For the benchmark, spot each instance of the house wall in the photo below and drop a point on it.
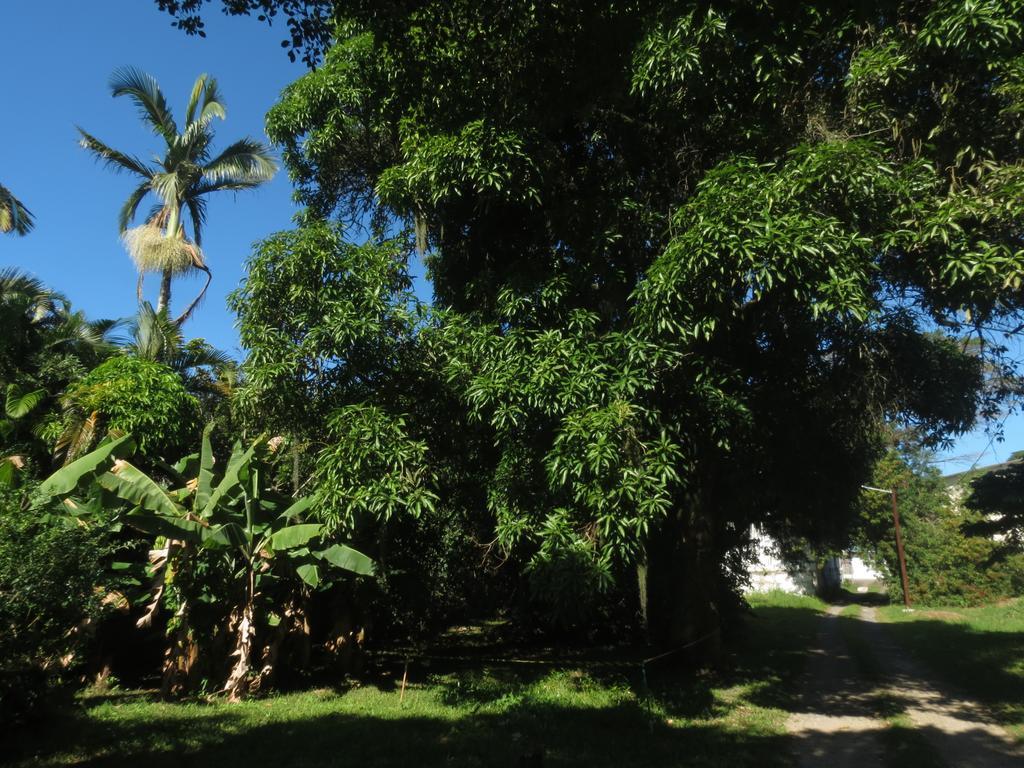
(769, 572)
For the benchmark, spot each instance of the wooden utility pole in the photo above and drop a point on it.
(899, 550)
(899, 540)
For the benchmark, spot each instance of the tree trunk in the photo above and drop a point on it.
(163, 301)
(182, 654)
(237, 685)
(683, 581)
(182, 650)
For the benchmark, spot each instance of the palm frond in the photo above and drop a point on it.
(19, 404)
(206, 187)
(245, 160)
(196, 358)
(28, 295)
(168, 187)
(205, 102)
(88, 339)
(17, 282)
(108, 330)
(154, 335)
(192, 146)
(197, 212)
(213, 103)
(77, 437)
(131, 205)
(144, 90)
(113, 158)
(193, 100)
(14, 216)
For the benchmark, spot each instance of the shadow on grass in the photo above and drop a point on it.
(475, 718)
(493, 717)
(985, 665)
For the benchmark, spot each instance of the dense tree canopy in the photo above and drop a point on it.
(687, 257)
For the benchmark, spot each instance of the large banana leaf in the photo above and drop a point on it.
(136, 487)
(230, 534)
(7, 468)
(204, 486)
(349, 559)
(230, 482)
(309, 573)
(298, 508)
(179, 528)
(294, 535)
(66, 479)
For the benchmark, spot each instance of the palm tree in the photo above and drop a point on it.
(45, 346)
(180, 181)
(14, 216)
(156, 337)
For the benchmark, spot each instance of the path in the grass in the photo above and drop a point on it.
(834, 724)
(837, 725)
(959, 729)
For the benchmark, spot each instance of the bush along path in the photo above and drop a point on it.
(864, 702)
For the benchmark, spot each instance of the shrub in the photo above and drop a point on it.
(48, 593)
(141, 397)
(945, 565)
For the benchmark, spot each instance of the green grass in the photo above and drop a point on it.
(493, 717)
(979, 650)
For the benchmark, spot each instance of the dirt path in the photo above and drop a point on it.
(834, 724)
(959, 729)
(837, 723)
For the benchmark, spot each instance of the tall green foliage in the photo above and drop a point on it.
(336, 367)
(947, 562)
(997, 497)
(129, 395)
(693, 255)
(46, 346)
(49, 574)
(254, 538)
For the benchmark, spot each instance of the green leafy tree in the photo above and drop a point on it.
(688, 252)
(49, 574)
(949, 561)
(46, 347)
(181, 180)
(337, 366)
(998, 497)
(129, 395)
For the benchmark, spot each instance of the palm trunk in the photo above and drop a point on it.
(164, 299)
(173, 225)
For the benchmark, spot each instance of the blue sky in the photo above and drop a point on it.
(57, 61)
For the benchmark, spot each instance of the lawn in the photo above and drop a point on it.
(498, 716)
(978, 650)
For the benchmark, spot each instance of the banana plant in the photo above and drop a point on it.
(262, 534)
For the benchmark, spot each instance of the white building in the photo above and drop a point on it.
(770, 572)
